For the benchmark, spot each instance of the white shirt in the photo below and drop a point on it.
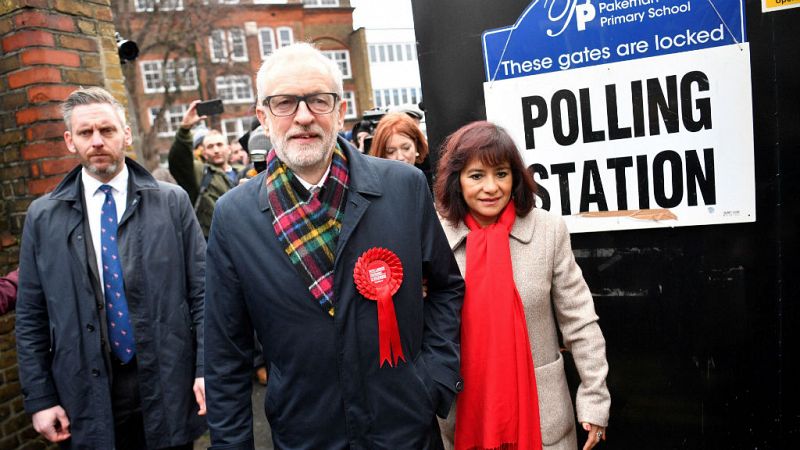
(317, 186)
(94, 198)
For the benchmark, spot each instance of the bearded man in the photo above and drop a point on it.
(110, 300)
(313, 254)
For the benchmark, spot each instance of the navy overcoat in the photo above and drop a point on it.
(63, 354)
(325, 387)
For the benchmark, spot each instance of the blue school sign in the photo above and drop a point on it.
(553, 35)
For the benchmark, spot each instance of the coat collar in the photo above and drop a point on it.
(363, 178)
(70, 187)
(522, 230)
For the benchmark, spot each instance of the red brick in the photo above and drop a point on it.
(34, 75)
(36, 172)
(45, 150)
(36, 18)
(9, 63)
(58, 166)
(78, 43)
(10, 137)
(13, 101)
(43, 185)
(104, 14)
(45, 130)
(51, 92)
(14, 172)
(49, 56)
(37, 113)
(28, 38)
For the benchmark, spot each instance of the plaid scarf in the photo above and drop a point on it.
(308, 224)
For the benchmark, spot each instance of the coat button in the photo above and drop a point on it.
(90, 327)
(95, 373)
(459, 386)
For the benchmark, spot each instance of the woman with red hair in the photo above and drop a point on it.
(523, 287)
(398, 137)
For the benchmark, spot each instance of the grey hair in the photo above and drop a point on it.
(90, 96)
(286, 55)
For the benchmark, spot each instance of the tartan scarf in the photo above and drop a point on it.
(308, 224)
(499, 406)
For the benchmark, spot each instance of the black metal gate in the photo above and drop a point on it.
(701, 322)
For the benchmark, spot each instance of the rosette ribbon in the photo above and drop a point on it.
(378, 274)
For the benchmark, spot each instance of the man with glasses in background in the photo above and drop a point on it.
(300, 254)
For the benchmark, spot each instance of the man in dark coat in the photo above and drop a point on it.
(205, 181)
(282, 254)
(110, 311)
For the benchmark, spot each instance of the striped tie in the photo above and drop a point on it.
(119, 325)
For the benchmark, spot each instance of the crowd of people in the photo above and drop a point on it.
(377, 314)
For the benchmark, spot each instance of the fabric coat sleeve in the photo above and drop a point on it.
(194, 247)
(229, 343)
(577, 320)
(33, 328)
(8, 292)
(181, 163)
(442, 310)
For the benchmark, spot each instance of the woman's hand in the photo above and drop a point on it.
(596, 432)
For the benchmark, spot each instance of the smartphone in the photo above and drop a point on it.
(210, 107)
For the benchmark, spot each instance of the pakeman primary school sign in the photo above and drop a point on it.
(631, 113)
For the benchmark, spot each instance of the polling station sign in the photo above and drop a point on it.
(631, 113)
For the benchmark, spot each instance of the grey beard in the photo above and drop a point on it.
(110, 170)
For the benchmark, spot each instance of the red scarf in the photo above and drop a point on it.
(499, 406)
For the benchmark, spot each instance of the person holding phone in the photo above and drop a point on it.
(205, 181)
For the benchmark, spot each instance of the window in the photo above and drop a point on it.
(411, 52)
(222, 44)
(158, 5)
(238, 44)
(232, 129)
(216, 46)
(321, 3)
(396, 97)
(172, 119)
(285, 37)
(266, 42)
(342, 59)
(179, 76)
(235, 89)
(349, 99)
(392, 52)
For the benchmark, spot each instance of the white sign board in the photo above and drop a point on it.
(631, 114)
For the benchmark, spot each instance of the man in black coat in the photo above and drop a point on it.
(313, 254)
(110, 302)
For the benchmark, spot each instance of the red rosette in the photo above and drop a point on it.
(378, 274)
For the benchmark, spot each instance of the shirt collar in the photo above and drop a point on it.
(319, 185)
(119, 183)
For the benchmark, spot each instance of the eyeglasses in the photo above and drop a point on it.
(286, 105)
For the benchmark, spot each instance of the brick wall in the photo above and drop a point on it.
(49, 48)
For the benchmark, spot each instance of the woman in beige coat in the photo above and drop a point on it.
(482, 186)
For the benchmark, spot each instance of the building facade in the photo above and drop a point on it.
(206, 49)
(394, 67)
